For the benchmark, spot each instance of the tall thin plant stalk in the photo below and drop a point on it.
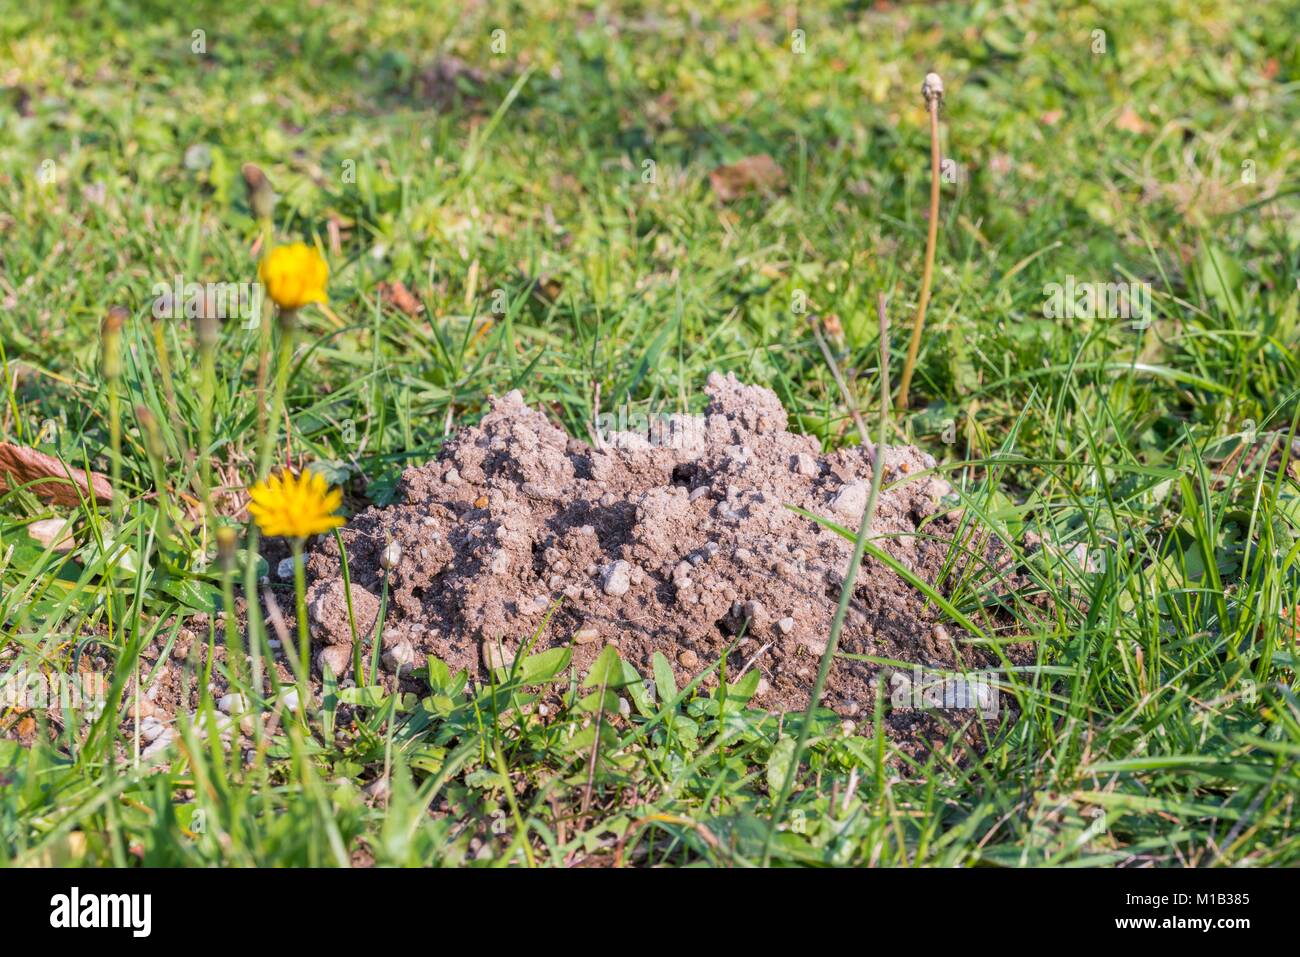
(932, 91)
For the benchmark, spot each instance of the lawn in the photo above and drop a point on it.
(521, 198)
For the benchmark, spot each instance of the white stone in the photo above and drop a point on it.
(496, 656)
(618, 579)
(400, 656)
(851, 500)
(804, 464)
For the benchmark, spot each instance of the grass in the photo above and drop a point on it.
(552, 211)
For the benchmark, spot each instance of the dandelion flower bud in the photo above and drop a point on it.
(153, 440)
(261, 197)
(226, 548)
(110, 333)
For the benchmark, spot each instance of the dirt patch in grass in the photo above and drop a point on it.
(675, 537)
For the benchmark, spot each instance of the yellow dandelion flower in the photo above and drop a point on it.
(294, 275)
(295, 506)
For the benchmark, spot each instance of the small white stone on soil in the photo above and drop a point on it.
(232, 703)
(804, 464)
(337, 657)
(400, 657)
(285, 568)
(786, 625)
(617, 579)
(160, 743)
(496, 656)
(585, 635)
(452, 477)
(151, 729)
(851, 500)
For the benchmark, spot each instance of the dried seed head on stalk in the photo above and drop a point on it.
(932, 87)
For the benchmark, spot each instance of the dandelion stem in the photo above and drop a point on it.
(272, 427)
(300, 610)
(111, 358)
(933, 93)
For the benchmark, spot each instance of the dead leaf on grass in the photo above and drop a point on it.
(753, 173)
(20, 465)
(1129, 121)
(395, 292)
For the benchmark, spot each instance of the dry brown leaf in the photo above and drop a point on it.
(759, 172)
(1129, 121)
(396, 293)
(19, 465)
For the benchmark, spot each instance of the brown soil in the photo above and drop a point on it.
(677, 544)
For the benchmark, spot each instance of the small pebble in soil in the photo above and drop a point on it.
(151, 729)
(399, 657)
(497, 656)
(337, 657)
(851, 500)
(618, 579)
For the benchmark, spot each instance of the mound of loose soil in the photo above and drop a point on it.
(674, 539)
